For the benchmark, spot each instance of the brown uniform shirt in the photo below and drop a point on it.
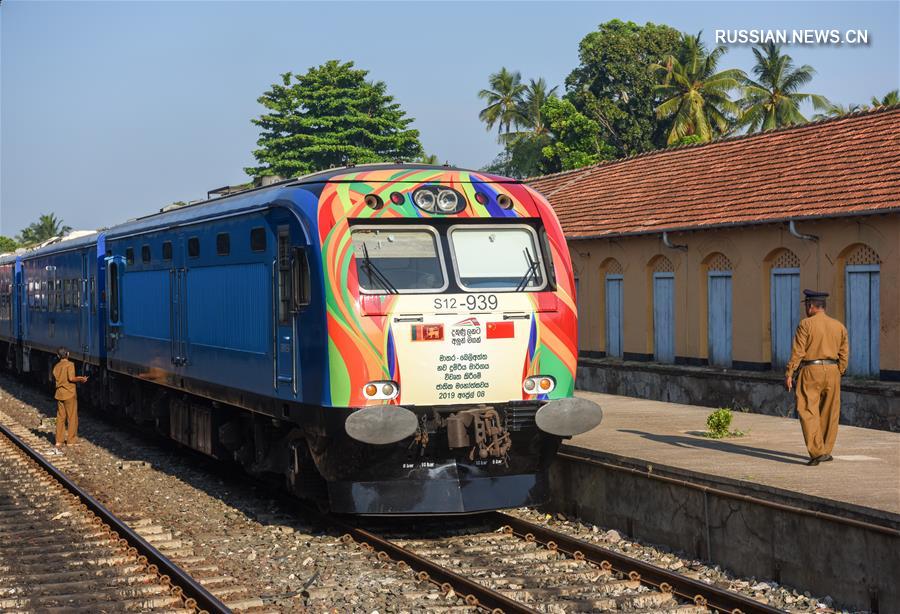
(64, 374)
(819, 337)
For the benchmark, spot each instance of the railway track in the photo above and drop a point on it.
(501, 563)
(62, 551)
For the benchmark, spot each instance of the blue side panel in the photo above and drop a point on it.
(228, 307)
(664, 317)
(146, 313)
(785, 313)
(614, 320)
(718, 328)
(863, 319)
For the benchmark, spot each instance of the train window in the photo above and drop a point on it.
(92, 297)
(223, 244)
(194, 247)
(145, 254)
(66, 302)
(129, 255)
(258, 239)
(398, 259)
(167, 250)
(497, 258)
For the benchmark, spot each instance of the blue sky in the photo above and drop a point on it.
(110, 110)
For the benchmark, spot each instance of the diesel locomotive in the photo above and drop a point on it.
(388, 339)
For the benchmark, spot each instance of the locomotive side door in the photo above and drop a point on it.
(178, 300)
(84, 306)
(285, 321)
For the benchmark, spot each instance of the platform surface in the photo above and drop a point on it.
(865, 472)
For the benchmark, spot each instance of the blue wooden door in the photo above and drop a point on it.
(664, 317)
(785, 313)
(719, 319)
(863, 319)
(614, 326)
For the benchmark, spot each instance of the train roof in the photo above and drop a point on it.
(64, 245)
(258, 198)
(395, 171)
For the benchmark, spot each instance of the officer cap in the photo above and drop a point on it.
(810, 295)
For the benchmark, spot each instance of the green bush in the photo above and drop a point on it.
(719, 423)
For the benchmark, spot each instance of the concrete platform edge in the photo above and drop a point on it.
(770, 493)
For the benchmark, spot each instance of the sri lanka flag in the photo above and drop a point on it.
(427, 332)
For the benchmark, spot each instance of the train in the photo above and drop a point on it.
(386, 339)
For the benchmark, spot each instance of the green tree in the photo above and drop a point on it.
(330, 116)
(891, 98)
(7, 244)
(47, 227)
(504, 100)
(577, 140)
(694, 95)
(773, 100)
(613, 87)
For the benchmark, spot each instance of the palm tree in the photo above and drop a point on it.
(534, 97)
(836, 110)
(889, 99)
(694, 96)
(503, 100)
(773, 100)
(47, 227)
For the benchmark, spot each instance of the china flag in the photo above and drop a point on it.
(501, 330)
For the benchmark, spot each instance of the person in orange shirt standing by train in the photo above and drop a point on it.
(66, 400)
(821, 352)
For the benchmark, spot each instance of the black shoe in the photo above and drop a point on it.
(813, 461)
(826, 457)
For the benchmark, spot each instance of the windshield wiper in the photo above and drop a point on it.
(375, 273)
(530, 273)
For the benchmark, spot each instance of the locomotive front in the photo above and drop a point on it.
(451, 342)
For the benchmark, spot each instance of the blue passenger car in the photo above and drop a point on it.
(10, 275)
(60, 293)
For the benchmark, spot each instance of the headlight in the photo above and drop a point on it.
(381, 390)
(447, 201)
(435, 199)
(425, 200)
(539, 384)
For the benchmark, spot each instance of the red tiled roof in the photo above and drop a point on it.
(831, 168)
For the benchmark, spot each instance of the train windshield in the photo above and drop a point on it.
(498, 258)
(395, 260)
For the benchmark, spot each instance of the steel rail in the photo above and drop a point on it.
(700, 593)
(195, 594)
(474, 593)
(859, 524)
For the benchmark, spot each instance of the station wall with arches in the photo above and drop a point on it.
(762, 270)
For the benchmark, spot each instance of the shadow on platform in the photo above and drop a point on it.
(721, 446)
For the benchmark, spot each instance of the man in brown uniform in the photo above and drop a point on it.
(66, 399)
(821, 352)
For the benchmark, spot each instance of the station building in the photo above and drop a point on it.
(691, 261)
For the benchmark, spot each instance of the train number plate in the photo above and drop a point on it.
(472, 302)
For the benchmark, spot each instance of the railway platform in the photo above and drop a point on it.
(749, 503)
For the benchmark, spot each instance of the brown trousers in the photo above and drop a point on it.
(66, 411)
(818, 391)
